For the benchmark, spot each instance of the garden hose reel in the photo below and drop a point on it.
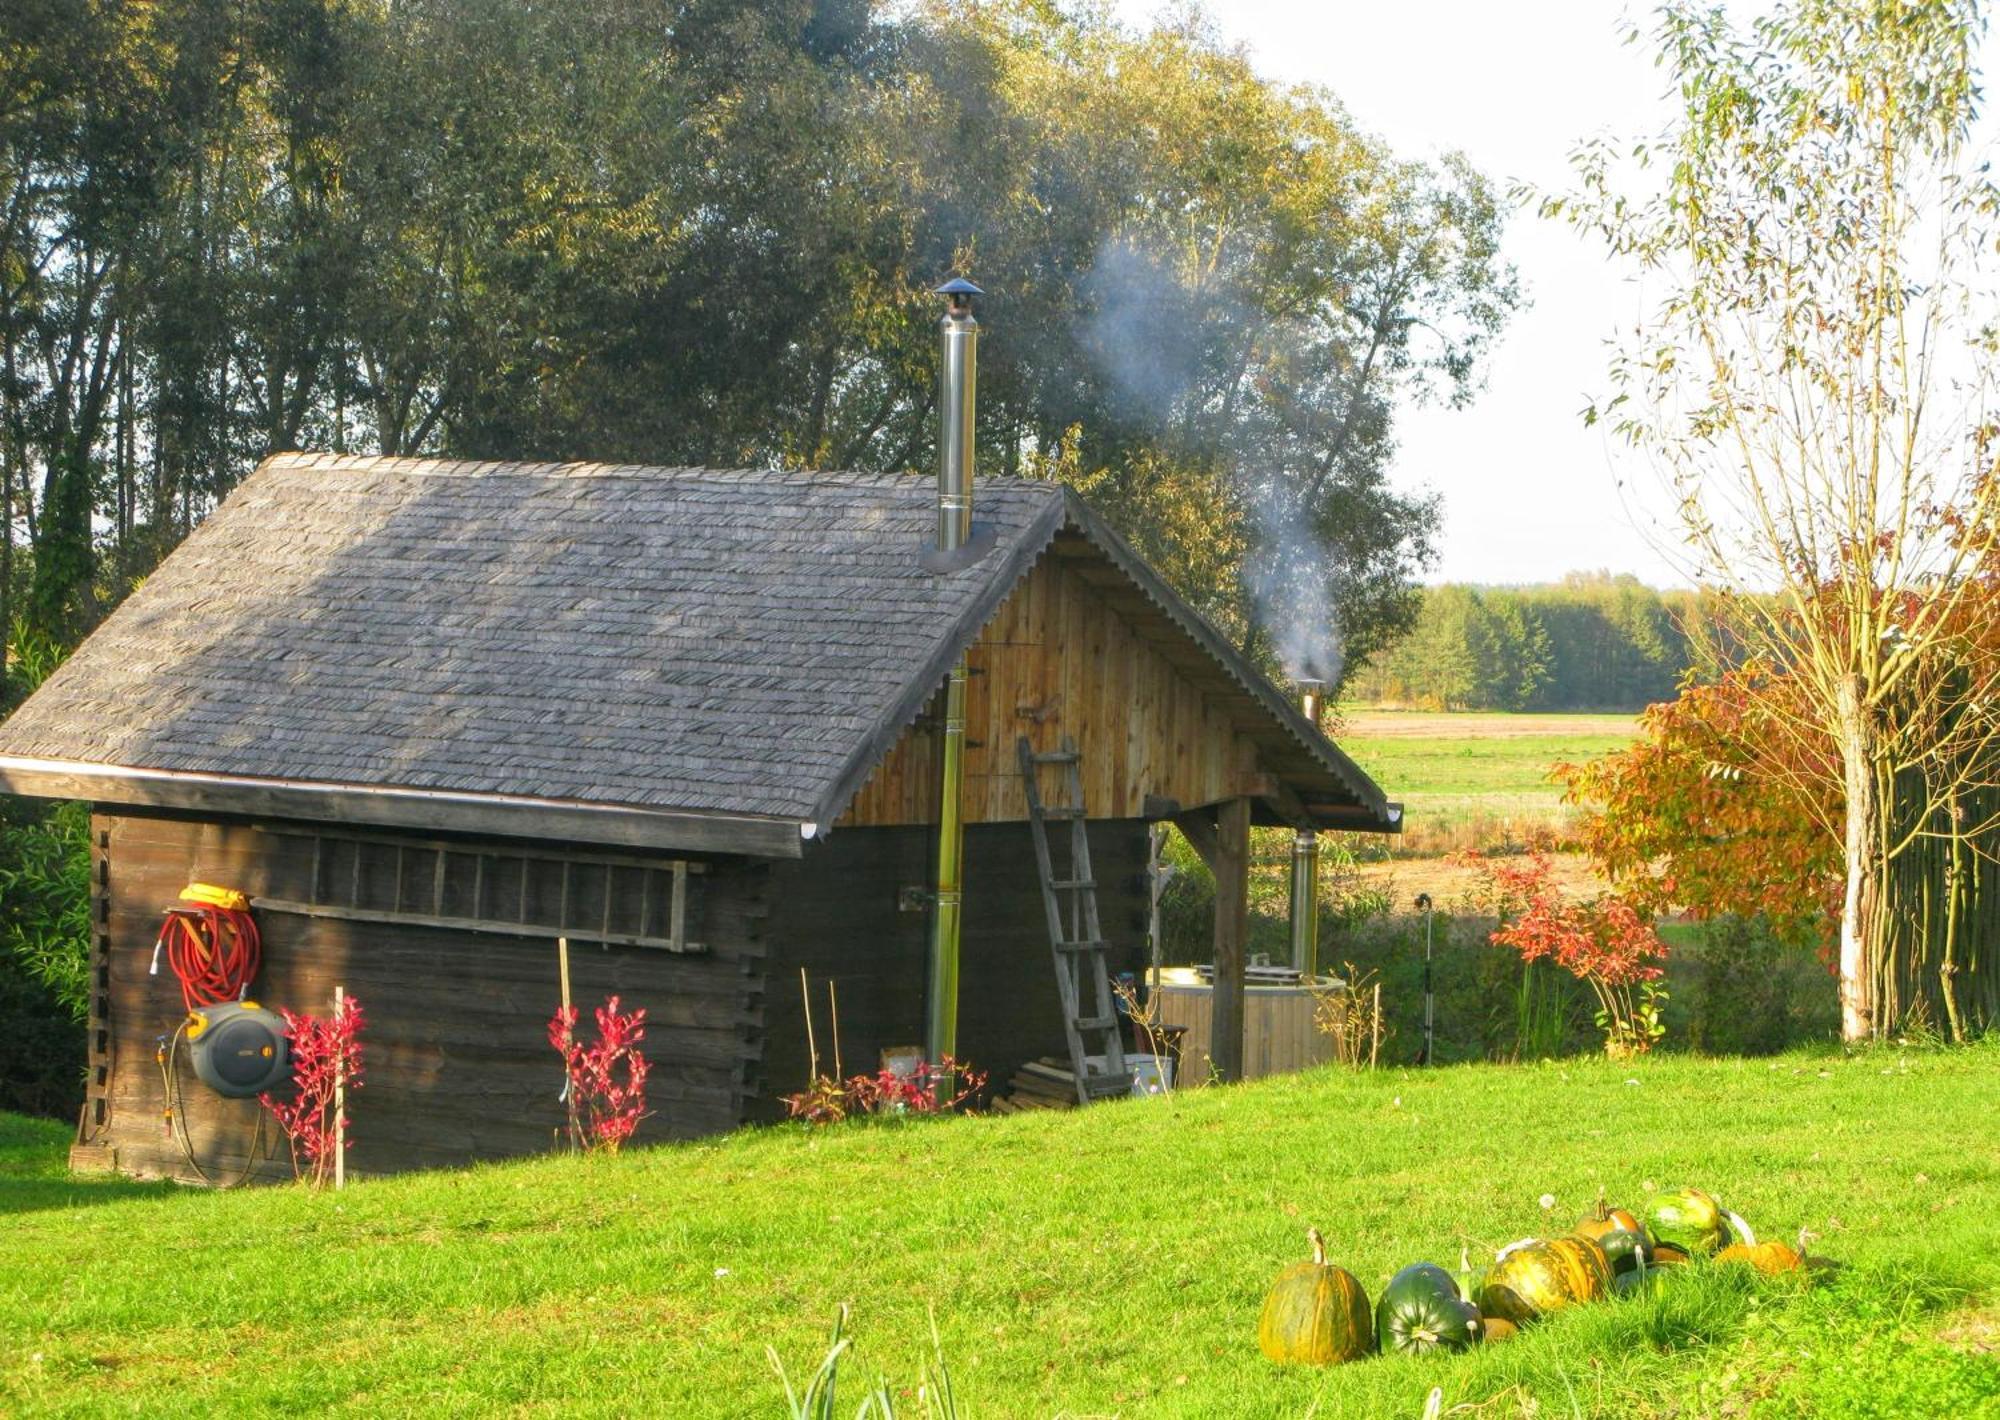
(239, 1048)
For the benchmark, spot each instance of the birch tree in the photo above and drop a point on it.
(1812, 382)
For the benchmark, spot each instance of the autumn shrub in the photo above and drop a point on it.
(829, 1100)
(605, 1089)
(1604, 942)
(326, 1060)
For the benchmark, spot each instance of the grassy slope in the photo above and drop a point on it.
(1108, 1262)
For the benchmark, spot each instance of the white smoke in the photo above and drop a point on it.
(1150, 333)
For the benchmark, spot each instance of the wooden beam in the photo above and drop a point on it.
(1284, 803)
(433, 810)
(1198, 827)
(1232, 935)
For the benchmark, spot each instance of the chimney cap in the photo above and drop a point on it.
(957, 286)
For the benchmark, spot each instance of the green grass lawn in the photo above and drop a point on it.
(1463, 778)
(1108, 1262)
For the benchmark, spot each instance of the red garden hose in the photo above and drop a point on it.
(214, 951)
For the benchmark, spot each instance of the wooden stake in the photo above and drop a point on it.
(1375, 1040)
(833, 1007)
(562, 965)
(339, 1100)
(812, 1046)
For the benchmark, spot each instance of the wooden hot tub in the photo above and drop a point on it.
(1278, 1030)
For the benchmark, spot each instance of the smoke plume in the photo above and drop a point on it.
(1167, 348)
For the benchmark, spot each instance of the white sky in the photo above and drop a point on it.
(1529, 493)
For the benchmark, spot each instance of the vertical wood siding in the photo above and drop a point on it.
(1058, 660)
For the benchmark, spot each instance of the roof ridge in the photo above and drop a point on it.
(436, 466)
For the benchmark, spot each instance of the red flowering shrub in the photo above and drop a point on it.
(606, 1092)
(324, 1053)
(1605, 943)
(828, 1101)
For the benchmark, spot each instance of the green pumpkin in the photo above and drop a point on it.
(1626, 1250)
(1421, 1311)
(1687, 1219)
(1534, 1278)
(1316, 1314)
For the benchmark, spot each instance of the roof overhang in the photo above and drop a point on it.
(500, 815)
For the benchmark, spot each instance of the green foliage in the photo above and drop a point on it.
(45, 899)
(1103, 1261)
(684, 234)
(1589, 642)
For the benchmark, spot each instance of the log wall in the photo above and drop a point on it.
(457, 1057)
(1057, 660)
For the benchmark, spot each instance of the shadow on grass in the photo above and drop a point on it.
(35, 1175)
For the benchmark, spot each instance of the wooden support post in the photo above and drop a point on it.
(1232, 932)
(339, 1098)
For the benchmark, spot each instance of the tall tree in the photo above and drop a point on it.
(1815, 384)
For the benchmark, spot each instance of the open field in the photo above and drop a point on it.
(1107, 1262)
(1474, 780)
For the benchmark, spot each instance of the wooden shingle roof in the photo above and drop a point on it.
(671, 644)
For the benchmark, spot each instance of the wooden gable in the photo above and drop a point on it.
(1060, 659)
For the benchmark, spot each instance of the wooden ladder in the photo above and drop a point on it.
(1096, 1051)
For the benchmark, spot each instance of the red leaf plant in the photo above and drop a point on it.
(325, 1053)
(828, 1100)
(606, 1093)
(1604, 942)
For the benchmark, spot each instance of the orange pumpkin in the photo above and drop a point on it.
(1771, 1258)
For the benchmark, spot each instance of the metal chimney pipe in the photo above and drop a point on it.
(958, 336)
(1305, 862)
(958, 379)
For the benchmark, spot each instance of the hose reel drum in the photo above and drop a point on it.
(239, 1049)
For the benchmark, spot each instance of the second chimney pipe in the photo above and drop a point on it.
(1305, 862)
(958, 368)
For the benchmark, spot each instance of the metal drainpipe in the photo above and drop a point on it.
(1305, 863)
(957, 383)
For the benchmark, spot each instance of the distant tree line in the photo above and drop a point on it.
(1588, 642)
(703, 232)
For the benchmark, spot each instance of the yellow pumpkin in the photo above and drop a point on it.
(1533, 1278)
(1316, 1314)
(1497, 1328)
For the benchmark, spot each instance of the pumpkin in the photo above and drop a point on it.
(1533, 1278)
(1627, 1253)
(1421, 1311)
(1497, 1328)
(1604, 1220)
(1667, 1255)
(1771, 1258)
(1316, 1313)
(1689, 1219)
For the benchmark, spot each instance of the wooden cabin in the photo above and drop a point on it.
(429, 716)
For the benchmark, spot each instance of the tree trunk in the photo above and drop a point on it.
(1860, 918)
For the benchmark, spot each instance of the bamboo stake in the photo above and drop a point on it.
(339, 1098)
(562, 965)
(812, 1046)
(1375, 1040)
(833, 1007)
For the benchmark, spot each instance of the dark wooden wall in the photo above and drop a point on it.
(837, 912)
(457, 1057)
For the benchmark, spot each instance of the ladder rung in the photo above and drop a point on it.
(1096, 1022)
(1058, 756)
(1087, 944)
(1071, 884)
(1061, 811)
(1103, 1086)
